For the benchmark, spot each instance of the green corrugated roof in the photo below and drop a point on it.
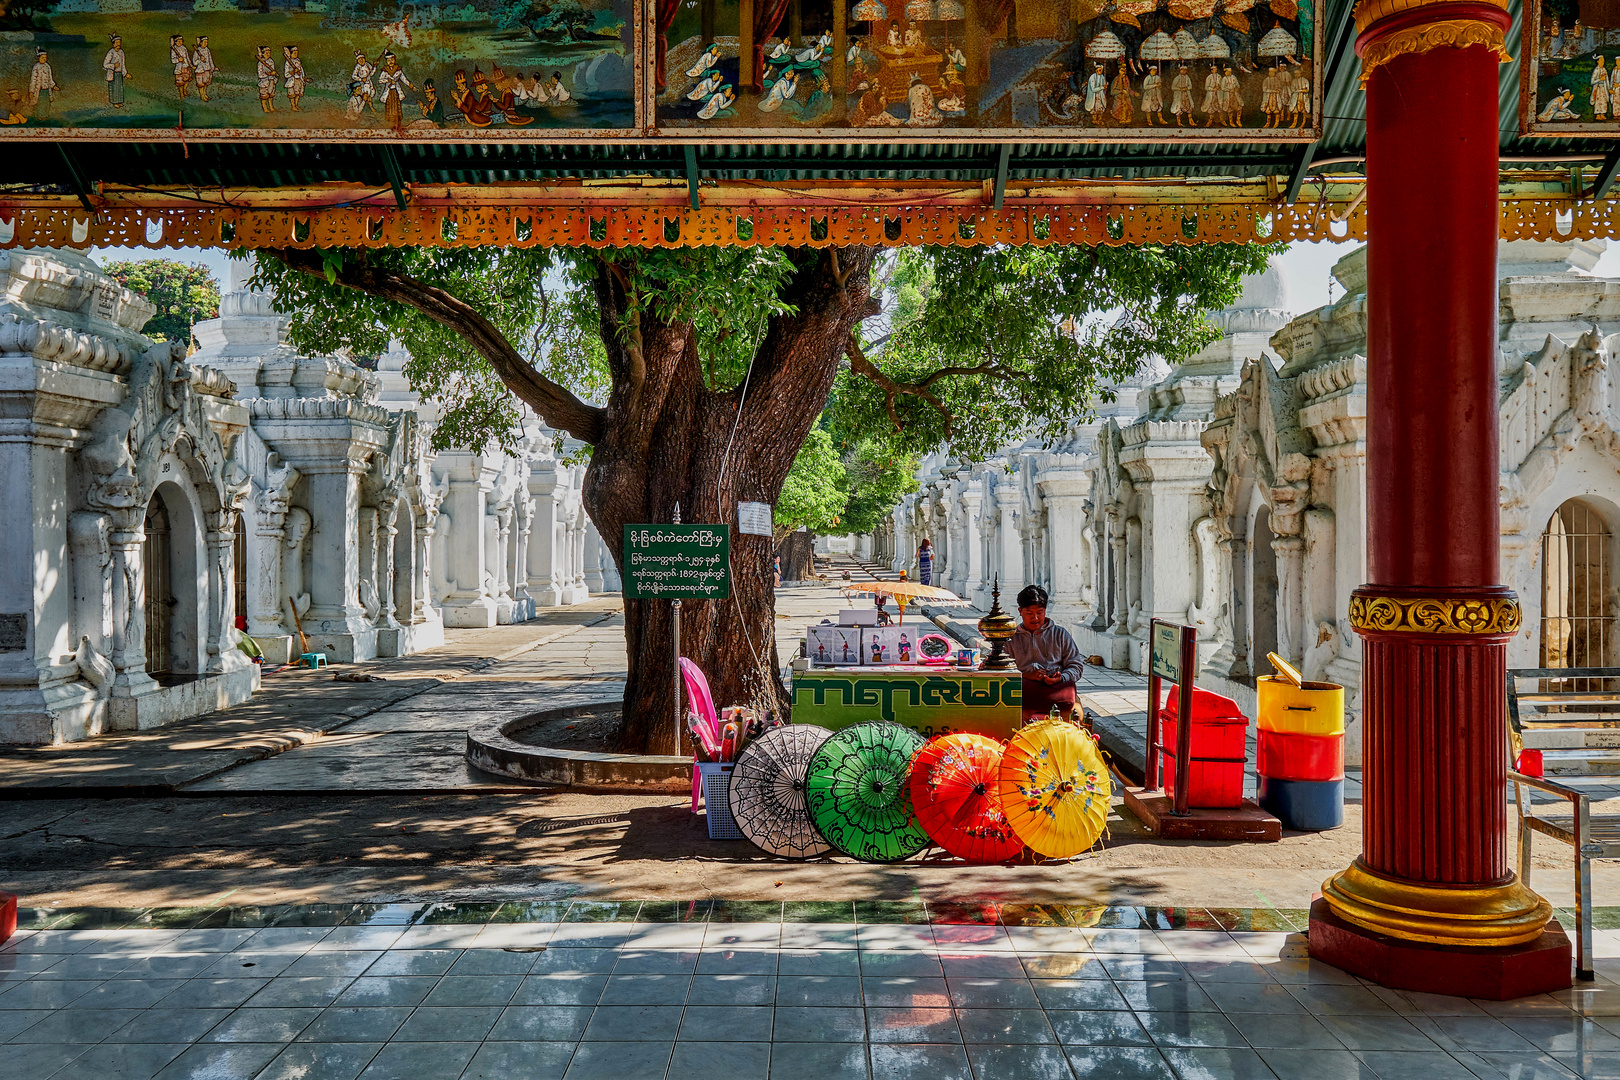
(277, 164)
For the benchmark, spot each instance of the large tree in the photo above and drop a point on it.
(185, 294)
(695, 375)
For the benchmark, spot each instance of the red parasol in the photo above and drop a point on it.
(953, 790)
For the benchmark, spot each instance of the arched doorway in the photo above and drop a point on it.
(1577, 626)
(1263, 591)
(156, 564)
(239, 574)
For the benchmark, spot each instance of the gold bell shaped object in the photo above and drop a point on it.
(997, 628)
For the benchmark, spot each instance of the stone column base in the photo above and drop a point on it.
(183, 700)
(407, 639)
(478, 613)
(1496, 974)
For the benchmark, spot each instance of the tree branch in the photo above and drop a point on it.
(556, 406)
(860, 365)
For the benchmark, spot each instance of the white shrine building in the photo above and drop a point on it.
(162, 495)
(1228, 493)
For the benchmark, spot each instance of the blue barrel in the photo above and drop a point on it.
(1304, 805)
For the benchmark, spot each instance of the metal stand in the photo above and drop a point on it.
(675, 637)
(1173, 655)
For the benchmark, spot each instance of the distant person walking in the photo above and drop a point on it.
(925, 562)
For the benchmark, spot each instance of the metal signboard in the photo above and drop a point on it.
(1166, 654)
(754, 519)
(677, 562)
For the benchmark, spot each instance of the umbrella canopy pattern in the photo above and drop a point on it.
(907, 590)
(953, 780)
(767, 792)
(1186, 45)
(1278, 42)
(1159, 47)
(1105, 46)
(1054, 788)
(904, 592)
(857, 794)
(1214, 48)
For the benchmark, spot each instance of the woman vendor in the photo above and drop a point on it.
(1046, 655)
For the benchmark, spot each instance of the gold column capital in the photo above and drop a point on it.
(1387, 29)
(1369, 12)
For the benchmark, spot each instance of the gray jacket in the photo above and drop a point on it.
(1051, 650)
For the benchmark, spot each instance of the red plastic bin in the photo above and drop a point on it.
(1286, 755)
(1209, 783)
(1206, 705)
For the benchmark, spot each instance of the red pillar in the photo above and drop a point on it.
(1432, 904)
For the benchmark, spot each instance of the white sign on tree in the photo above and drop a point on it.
(754, 518)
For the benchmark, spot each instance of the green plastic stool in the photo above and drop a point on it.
(314, 659)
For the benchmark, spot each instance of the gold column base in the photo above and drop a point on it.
(1482, 916)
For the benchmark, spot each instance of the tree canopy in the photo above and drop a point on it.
(185, 294)
(695, 376)
(972, 347)
(542, 304)
(986, 342)
(816, 489)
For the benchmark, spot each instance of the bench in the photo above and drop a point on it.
(1572, 716)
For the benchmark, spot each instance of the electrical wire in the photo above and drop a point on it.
(757, 655)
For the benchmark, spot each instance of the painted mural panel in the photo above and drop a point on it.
(339, 69)
(1086, 70)
(1570, 76)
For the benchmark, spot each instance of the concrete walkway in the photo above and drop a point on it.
(298, 707)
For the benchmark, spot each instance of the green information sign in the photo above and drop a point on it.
(1166, 657)
(928, 702)
(677, 562)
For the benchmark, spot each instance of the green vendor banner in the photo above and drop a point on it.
(928, 702)
(677, 562)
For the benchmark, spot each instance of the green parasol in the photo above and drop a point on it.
(857, 794)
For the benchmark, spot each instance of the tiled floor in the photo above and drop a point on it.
(748, 990)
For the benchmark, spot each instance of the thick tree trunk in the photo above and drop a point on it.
(665, 441)
(798, 556)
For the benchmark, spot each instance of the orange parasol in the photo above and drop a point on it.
(903, 592)
(953, 781)
(1054, 787)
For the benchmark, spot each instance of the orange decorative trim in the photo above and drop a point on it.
(1449, 33)
(747, 214)
(1369, 12)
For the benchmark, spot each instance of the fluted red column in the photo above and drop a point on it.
(1433, 707)
(1433, 617)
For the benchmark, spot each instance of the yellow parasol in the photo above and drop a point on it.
(903, 592)
(1054, 788)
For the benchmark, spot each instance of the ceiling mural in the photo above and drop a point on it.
(1086, 70)
(1135, 71)
(338, 69)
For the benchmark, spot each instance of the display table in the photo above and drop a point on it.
(928, 700)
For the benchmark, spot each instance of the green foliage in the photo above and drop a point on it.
(1012, 339)
(879, 476)
(508, 286)
(547, 20)
(542, 301)
(727, 293)
(814, 495)
(185, 294)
